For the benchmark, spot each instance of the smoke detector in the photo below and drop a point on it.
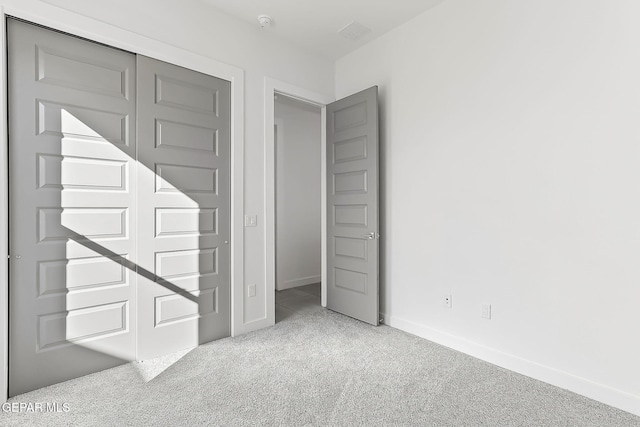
(265, 21)
(353, 31)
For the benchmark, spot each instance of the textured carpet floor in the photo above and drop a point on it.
(315, 367)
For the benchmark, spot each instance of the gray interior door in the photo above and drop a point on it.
(72, 125)
(183, 207)
(352, 206)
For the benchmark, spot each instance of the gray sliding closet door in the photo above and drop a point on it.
(183, 207)
(72, 125)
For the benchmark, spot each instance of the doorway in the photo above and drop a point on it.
(298, 221)
(272, 88)
(349, 200)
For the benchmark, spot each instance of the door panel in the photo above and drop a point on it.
(72, 299)
(352, 206)
(183, 202)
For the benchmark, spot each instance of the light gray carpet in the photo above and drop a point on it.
(316, 367)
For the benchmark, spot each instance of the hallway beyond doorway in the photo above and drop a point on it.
(300, 300)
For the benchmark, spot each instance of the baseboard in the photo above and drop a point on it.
(600, 392)
(298, 282)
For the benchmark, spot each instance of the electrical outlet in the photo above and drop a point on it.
(447, 301)
(251, 290)
(486, 311)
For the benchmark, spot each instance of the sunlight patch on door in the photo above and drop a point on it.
(95, 231)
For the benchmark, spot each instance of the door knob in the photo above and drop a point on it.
(371, 236)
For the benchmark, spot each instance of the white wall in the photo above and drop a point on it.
(511, 176)
(194, 26)
(298, 209)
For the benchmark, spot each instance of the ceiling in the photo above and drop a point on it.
(313, 24)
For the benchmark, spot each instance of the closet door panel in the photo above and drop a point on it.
(183, 208)
(72, 126)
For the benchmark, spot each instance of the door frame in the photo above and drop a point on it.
(103, 32)
(274, 87)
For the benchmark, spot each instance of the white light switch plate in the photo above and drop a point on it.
(251, 220)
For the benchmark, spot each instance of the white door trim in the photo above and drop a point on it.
(73, 23)
(271, 88)
(4, 220)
